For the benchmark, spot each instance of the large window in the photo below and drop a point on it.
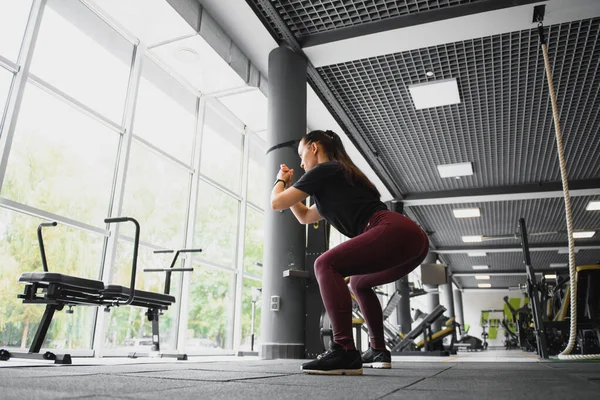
(211, 305)
(257, 192)
(13, 18)
(5, 81)
(254, 242)
(93, 135)
(82, 56)
(216, 225)
(156, 194)
(251, 299)
(165, 113)
(221, 158)
(128, 328)
(68, 251)
(61, 160)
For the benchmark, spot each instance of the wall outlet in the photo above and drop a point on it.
(275, 303)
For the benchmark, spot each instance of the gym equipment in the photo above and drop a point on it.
(551, 335)
(57, 290)
(469, 343)
(433, 342)
(522, 319)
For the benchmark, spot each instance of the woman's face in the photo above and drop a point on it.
(308, 155)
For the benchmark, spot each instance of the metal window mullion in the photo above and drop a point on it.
(118, 192)
(239, 285)
(254, 277)
(39, 213)
(191, 224)
(255, 207)
(59, 94)
(163, 153)
(220, 267)
(15, 98)
(108, 20)
(217, 185)
(148, 245)
(9, 65)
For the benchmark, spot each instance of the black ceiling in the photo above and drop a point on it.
(503, 124)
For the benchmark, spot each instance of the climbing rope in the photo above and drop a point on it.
(565, 355)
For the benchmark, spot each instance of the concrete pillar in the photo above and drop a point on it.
(432, 296)
(403, 310)
(447, 299)
(282, 332)
(458, 308)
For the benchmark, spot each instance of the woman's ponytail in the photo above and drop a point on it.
(334, 147)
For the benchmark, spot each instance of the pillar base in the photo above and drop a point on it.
(273, 351)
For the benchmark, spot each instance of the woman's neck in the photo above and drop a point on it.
(321, 158)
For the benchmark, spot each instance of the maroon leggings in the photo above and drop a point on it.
(390, 247)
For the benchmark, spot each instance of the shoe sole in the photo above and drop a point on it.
(333, 372)
(378, 365)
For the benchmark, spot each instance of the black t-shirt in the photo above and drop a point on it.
(344, 205)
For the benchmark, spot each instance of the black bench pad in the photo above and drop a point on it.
(88, 285)
(141, 297)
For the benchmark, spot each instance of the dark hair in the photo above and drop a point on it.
(334, 148)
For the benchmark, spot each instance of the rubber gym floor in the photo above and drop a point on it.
(495, 374)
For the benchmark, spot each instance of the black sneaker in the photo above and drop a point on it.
(335, 361)
(377, 359)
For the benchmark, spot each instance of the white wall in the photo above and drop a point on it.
(475, 302)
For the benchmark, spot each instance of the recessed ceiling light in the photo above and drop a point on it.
(186, 55)
(429, 73)
(565, 250)
(435, 93)
(593, 206)
(471, 239)
(481, 267)
(482, 277)
(558, 265)
(484, 285)
(583, 235)
(477, 254)
(550, 276)
(466, 212)
(455, 170)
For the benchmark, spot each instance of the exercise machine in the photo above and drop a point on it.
(57, 291)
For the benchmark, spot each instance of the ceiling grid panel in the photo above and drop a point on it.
(309, 17)
(500, 218)
(500, 89)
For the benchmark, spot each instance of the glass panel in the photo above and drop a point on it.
(254, 242)
(156, 194)
(221, 158)
(128, 328)
(13, 20)
(83, 56)
(210, 318)
(61, 160)
(251, 298)
(165, 113)
(5, 81)
(216, 225)
(257, 193)
(68, 251)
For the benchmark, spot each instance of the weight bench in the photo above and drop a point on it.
(59, 290)
(408, 347)
(439, 335)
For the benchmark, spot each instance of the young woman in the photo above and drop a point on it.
(384, 246)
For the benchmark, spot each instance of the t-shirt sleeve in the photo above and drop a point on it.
(310, 182)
